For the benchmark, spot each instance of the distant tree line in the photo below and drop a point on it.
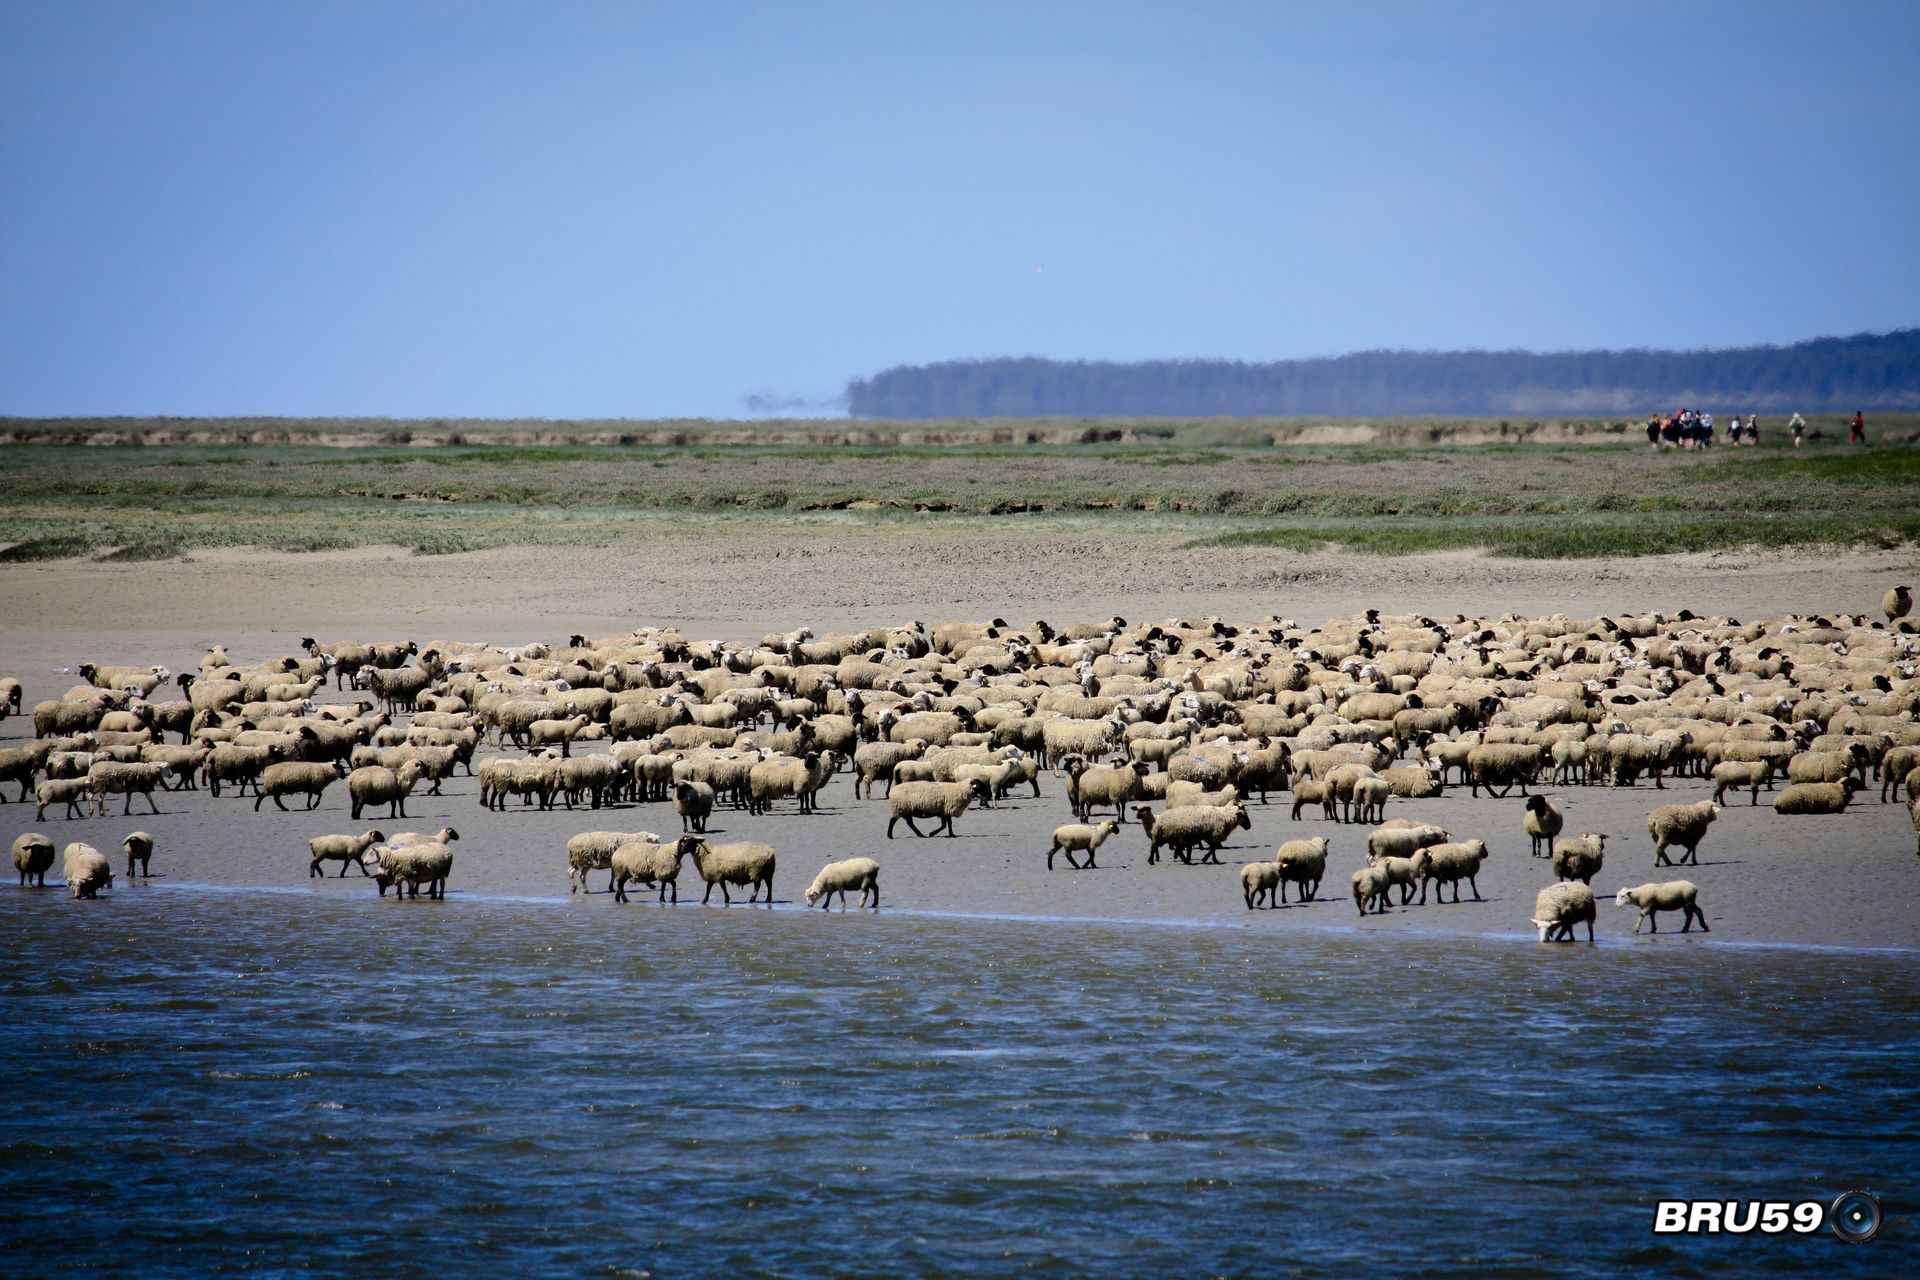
(1870, 371)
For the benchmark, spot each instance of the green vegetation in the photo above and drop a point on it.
(133, 502)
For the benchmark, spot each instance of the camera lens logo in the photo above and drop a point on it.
(1855, 1216)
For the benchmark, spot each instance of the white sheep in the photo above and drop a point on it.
(105, 778)
(1079, 837)
(1369, 799)
(1394, 841)
(32, 855)
(86, 869)
(346, 850)
(407, 867)
(745, 862)
(1449, 864)
(1407, 872)
(1734, 775)
(1308, 791)
(70, 792)
(1579, 857)
(376, 785)
(1183, 830)
(1371, 890)
(1301, 862)
(1816, 797)
(297, 778)
(1559, 907)
(1680, 824)
(650, 862)
(1674, 895)
(593, 851)
(943, 800)
(838, 877)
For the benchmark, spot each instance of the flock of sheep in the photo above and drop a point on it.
(1181, 725)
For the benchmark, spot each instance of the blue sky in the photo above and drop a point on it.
(571, 209)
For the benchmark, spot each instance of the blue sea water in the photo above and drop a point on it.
(204, 1083)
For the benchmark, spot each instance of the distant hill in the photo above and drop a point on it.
(1870, 371)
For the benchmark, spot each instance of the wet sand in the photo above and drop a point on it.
(1849, 880)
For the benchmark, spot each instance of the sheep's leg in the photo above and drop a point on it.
(1476, 889)
(911, 826)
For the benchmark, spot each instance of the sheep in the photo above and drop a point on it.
(1449, 864)
(86, 869)
(68, 791)
(1301, 862)
(1505, 764)
(1828, 766)
(299, 777)
(1895, 768)
(376, 785)
(1079, 837)
(1897, 604)
(1816, 797)
(1559, 907)
(1407, 872)
(1370, 799)
(11, 695)
(232, 762)
(1412, 782)
(943, 800)
(19, 766)
(346, 850)
(854, 873)
(1732, 775)
(784, 776)
(32, 855)
(876, 760)
(1682, 824)
(650, 862)
(139, 849)
(743, 863)
(593, 851)
(1913, 810)
(1579, 857)
(127, 780)
(1674, 895)
(1542, 823)
(1308, 791)
(400, 839)
(1391, 841)
(1103, 785)
(1186, 795)
(1181, 830)
(561, 733)
(693, 801)
(1370, 890)
(408, 866)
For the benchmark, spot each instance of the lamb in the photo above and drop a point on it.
(1370, 799)
(854, 873)
(1542, 823)
(139, 849)
(68, 791)
(744, 863)
(409, 866)
(1301, 862)
(943, 800)
(1370, 890)
(1449, 864)
(1816, 797)
(87, 870)
(376, 785)
(693, 801)
(107, 778)
(1674, 895)
(561, 733)
(1503, 764)
(1391, 841)
(1077, 837)
(593, 851)
(649, 862)
(299, 777)
(1308, 791)
(1559, 907)
(346, 850)
(32, 855)
(1682, 824)
(400, 839)
(1732, 775)
(1407, 872)
(1102, 785)
(1181, 830)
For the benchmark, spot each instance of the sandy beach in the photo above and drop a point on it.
(1850, 880)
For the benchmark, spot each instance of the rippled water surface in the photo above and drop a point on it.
(259, 1083)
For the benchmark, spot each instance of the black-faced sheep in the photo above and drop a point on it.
(1542, 823)
(647, 862)
(745, 863)
(1449, 864)
(1579, 857)
(139, 850)
(32, 855)
(1501, 766)
(1674, 895)
(693, 801)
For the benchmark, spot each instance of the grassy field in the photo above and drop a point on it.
(1516, 499)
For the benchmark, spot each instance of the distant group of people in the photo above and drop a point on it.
(1691, 429)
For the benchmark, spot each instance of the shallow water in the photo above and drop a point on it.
(276, 1083)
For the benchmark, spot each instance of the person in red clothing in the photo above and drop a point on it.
(1859, 433)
